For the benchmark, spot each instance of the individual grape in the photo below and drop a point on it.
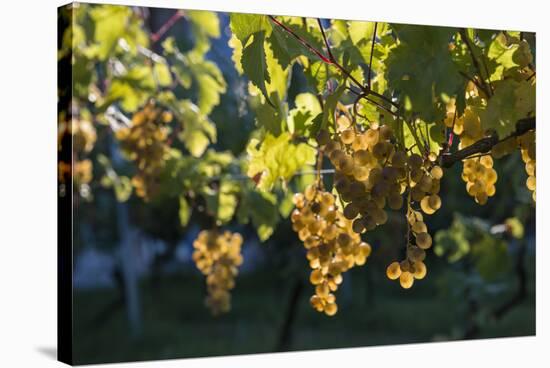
(423, 240)
(406, 280)
(399, 159)
(531, 183)
(420, 270)
(419, 227)
(347, 136)
(415, 161)
(393, 271)
(363, 157)
(425, 206)
(331, 309)
(434, 201)
(317, 303)
(415, 254)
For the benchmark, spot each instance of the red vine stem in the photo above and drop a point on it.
(166, 26)
(301, 40)
(331, 60)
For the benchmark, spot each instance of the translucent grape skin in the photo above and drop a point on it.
(332, 245)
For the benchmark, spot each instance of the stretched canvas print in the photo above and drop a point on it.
(246, 183)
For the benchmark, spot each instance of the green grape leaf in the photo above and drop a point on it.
(273, 120)
(501, 52)
(83, 75)
(360, 31)
(237, 54)
(302, 117)
(286, 47)
(452, 243)
(261, 209)
(254, 64)
(184, 211)
(330, 106)
(121, 185)
(109, 25)
(317, 74)
(132, 89)
(198, 131)
(211, 85)
(253, 54)
(286, 205)
(368, 110)
(206, 22)
(222, 202)
(491, 257)
(512, 101)
(421, 68)
(193, 69)
(162, 74)
(277, 158)
(245, 25)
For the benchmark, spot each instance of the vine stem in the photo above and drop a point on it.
(301, 40)
(331, 60)
(451, 134)
(319, 168)
(412, 129)
(409, 209)
(484, 145)
(335, 62)
(466, 40)
(166, 26)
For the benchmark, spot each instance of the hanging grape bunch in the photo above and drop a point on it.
(218, 256)
(477, 172)
(144, 142)
(365, 177)
(373, 173)
(332, 247)
(84, 136)
(528, 149)
(412, 267)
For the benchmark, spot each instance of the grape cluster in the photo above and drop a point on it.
(526, 143)
(218, 256)
(368, 170)
(332, 247)
(145, 143)
(480, 178)
(372, 173)
(83, 136)
(477, 172)
(412, 267)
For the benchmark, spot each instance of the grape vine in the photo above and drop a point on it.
(381, 110)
